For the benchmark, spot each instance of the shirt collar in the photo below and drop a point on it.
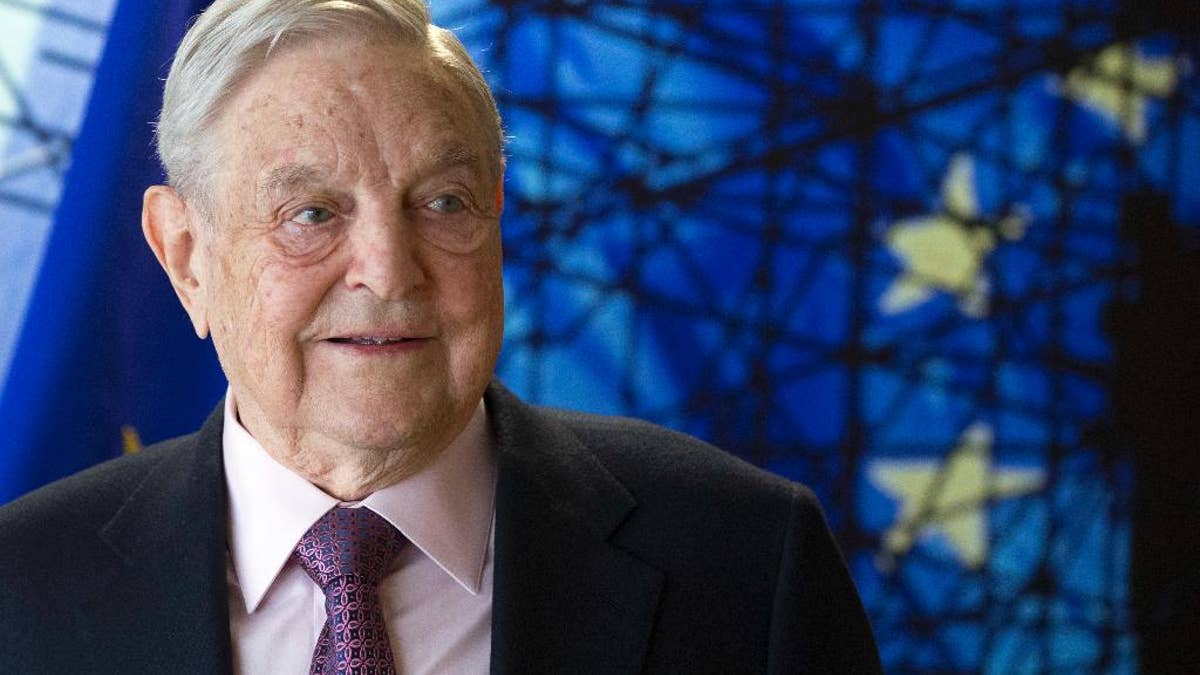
(445, 510)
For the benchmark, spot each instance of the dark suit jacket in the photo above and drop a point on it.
(620, 548)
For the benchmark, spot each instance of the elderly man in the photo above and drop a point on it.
(366, 500)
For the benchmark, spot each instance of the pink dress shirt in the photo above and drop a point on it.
(437, 601)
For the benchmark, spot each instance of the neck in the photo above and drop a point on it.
(350, 474)
(344, 471)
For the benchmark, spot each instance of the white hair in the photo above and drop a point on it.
(232, 38)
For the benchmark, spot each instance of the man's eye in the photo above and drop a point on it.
(447, 204)
(312, 215)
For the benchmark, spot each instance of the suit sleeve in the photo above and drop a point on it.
(818, 623)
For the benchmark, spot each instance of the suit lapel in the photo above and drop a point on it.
(566, 599)
(164, 605)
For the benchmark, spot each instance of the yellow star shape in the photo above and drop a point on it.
(949, 499)
(130, 441)
(1118, 83)
(944, 251)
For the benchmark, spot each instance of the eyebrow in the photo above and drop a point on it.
(454, 156)
(287, 178)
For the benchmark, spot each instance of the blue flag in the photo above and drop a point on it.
(101, 354)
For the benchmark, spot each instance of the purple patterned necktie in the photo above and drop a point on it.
(347, 552)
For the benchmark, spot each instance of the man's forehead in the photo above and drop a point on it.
(290, 127)
(342, 80)
(371, 70)
(302, 172)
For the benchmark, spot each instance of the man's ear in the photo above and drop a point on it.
(171, 234)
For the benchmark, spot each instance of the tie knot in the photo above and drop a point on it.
(348, 542)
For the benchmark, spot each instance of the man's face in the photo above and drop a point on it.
(352, 278)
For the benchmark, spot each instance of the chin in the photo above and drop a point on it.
(386, 426)
(374, 442)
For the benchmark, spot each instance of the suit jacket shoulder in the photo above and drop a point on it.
(696, 561)
(120, 568)
(61, 516)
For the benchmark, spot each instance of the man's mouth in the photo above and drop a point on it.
(371, 341)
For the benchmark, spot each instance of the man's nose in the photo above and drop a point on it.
(386, 256)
